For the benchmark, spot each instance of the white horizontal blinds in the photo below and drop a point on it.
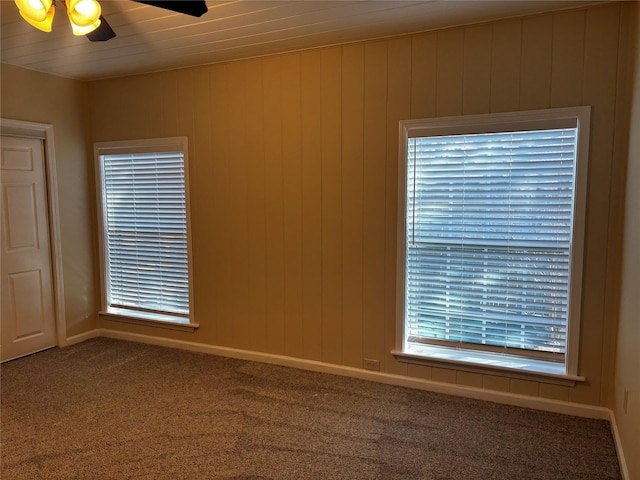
(489, 227)
(146, 232)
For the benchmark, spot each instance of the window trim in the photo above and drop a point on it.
(486, 123)
(152, 145)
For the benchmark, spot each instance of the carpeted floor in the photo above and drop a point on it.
(108, 409)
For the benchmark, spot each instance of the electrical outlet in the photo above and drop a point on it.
(370, 364)
(625, 401)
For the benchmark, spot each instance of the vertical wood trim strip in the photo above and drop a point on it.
(375, 114)
(352, 202)
(331, 205)
(274, 204)
(450, 66)
(535, 73)
(505, 66)
(476, 84)
(567, 59)
(310, 71)
(424, 75)
(292, 178)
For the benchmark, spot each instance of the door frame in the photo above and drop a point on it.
(44, 132)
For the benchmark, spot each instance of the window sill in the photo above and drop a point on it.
(488, 363)
(158, 321)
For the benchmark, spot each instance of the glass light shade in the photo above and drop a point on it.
(84, 13)
(34, 10)
(44, 25)
(83, 30)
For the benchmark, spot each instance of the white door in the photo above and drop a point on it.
(27, 306)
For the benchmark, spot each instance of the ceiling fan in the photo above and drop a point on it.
(86, 17)
(195, 8)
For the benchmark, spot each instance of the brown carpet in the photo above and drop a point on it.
(107, 409)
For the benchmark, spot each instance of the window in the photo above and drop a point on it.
(145, 254)
(492, 221)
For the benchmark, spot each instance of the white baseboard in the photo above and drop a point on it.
(618, 442)
(82, 337)
(537, 403)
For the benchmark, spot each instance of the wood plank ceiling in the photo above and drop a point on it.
(153, 39)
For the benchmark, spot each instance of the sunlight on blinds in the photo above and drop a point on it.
(488, 240)
(146, 232)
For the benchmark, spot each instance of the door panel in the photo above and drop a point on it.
(20, 217)
(27, 307)
(16, 157)
(28, 317)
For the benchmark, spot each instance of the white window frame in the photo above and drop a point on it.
(156, 145)
(498, 363)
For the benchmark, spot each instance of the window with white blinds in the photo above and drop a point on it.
(145, 229)
(490, 235)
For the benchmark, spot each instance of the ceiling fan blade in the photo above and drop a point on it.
(103, 33)
(195, 8)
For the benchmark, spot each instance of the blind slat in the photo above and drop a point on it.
(146, 231)
(489, 229)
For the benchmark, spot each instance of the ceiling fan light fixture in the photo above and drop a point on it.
(44, 25)
(34, 10)
(80, 30)
(84, 13)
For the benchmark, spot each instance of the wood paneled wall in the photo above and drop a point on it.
(293, 165)
(21, 99)
(626, 394)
